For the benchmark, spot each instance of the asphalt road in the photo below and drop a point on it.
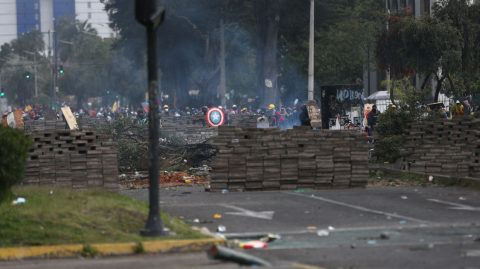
(422, 227)
(380, 227)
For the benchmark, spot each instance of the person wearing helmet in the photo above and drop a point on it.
(166, 112)
(244, 110)
(458, 109)
(204, 110)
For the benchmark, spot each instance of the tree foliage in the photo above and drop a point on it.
(446, 43)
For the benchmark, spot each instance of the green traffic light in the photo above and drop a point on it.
(28, 76)
(2, 94)
(61, 71)
(108, 91)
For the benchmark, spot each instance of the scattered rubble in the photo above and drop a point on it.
(140, 180)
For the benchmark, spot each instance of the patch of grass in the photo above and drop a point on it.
(78, 217)
(89, 252)
(385, 177)
(139, 249)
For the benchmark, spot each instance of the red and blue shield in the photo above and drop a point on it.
(215, 117)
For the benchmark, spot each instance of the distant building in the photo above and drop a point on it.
(372, 79)
(19, 16)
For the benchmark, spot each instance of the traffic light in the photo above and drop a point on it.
(2, 94)
(108, 92)
(61, 69)
(27, 75)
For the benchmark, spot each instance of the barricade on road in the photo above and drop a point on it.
(73, 159)
(299, 158)
(447, 147)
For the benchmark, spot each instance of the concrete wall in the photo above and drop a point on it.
(72, 159)
(298, 158)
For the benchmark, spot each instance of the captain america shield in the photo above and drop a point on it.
(215, 117)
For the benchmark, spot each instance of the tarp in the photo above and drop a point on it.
(380, 95)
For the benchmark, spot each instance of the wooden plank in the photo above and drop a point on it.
(72, 122)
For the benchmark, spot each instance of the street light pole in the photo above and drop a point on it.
(147, 14)
(311, 51)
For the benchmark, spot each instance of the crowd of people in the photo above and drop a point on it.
(284, 117)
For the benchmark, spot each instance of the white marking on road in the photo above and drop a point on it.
(456, 206)
(473, 253)
(248, 213)
(393, 215)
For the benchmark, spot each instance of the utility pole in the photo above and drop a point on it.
(149, 15)
(388, 69)
(55, 65)
(223, 101)
(311, 52)
(50, 60)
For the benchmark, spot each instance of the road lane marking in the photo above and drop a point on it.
(268, 215)
(456, 206)
(361, 208)
(473, 253)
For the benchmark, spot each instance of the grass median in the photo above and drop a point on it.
(79, 217)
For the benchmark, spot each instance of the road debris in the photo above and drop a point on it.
(255, 244)
(217, 216)
(404, 197)
(221, 229)
(311, 228)
(403, 222)
(384, 236)
(323, 233)
(19, 200)
(226, 254)
(462, 198)
(372, 242)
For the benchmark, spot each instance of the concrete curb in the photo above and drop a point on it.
(69, 251)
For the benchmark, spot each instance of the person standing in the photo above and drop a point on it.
(372, 119)
(458, 109)
(303, 117)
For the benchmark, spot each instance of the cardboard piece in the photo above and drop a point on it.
(313, 113)
(72, 122)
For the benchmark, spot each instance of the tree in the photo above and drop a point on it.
(448, 41)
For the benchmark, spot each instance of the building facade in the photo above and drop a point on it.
(20, 16)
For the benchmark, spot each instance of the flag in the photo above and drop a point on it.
(114, 108)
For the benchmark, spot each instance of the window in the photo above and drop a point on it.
(89, 5)
(89, 15)
(23, 5)
(36, 26)
(36, 5)
(111, 35)
(36, 16)
(25, 26)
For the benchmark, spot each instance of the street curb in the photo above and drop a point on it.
(69, 251)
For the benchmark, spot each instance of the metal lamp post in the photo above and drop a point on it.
(150, 16)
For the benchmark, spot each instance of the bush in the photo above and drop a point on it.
(392, 123)
(14, 147)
